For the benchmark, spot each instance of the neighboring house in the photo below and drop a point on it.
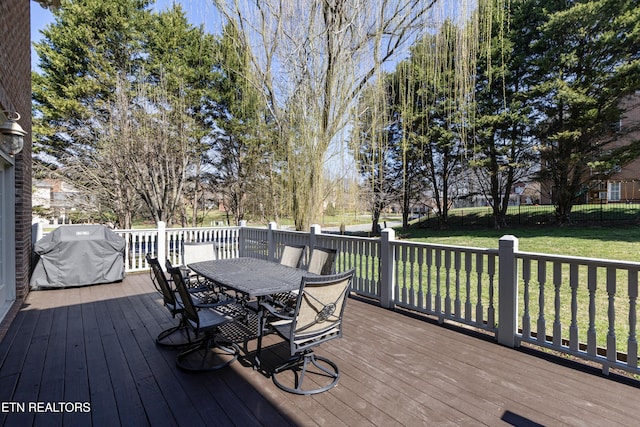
(15, 172)
(623, 186)
(56, 197)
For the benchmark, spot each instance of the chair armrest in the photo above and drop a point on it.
(275, 311)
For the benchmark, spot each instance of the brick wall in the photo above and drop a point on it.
(15, 94)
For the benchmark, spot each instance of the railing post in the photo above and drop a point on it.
(507, 291)
(241, 238)
(162, 243)
(387, 262)
(271, 242)
(314, 231)
(37, 231)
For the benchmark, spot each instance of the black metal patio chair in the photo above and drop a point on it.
(212, 352)
(178, 335)
(317, 318)
(196, 252)
(322, 261)
(292, 255)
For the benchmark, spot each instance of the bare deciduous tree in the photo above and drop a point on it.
(311, 60)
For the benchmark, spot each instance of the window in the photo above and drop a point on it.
(614, 191)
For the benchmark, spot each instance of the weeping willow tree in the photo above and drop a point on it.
(311, 60)
(372, 142)
(434, 113)
(428, 121)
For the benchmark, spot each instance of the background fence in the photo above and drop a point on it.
(539, 214)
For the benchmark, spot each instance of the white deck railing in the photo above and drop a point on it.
(583, 307)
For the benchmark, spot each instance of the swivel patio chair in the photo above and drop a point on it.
(196, 252)
(212, 352)
(292, 255)
(206, 291)
(317, 319)
(322, 261)
(178, 335)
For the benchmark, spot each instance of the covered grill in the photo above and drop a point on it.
(78, 255)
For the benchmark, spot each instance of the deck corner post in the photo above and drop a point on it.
(387, 297)
(507, 291)
(162, 242)
(314, 231)
(271, 241)
(241, 238)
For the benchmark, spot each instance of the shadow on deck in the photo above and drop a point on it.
(87, 356)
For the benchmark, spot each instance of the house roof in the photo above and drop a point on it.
(48, 4)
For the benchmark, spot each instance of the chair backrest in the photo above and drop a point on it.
(292, 255)
(189, 310)
(152, 275)
(319, 310)
(161, 282)
(322, 261)
(197, 251)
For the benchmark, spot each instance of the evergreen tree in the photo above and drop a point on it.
(501, 151)
(84, 55)
(434, 121)
(372, 142)
(580, 77)
(124, 102)
(243, 164)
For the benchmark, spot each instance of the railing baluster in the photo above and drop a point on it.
(632, 343)
(491, 270)
(573, 329)
(396, 250)
(526, 317)
(438, 282)
(447, 295)
(429, 263)
(403, 251)
(542, 280)
(611, 313)
(479, 304)
(557, 324)
(420, 277)
(468, 268)
(412, 289)
(457, 303)
(592, 281)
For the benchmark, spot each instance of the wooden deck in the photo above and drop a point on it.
(95, 345)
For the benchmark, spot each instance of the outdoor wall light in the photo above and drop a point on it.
(12, 139)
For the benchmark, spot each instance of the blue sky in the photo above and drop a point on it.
(198, 12)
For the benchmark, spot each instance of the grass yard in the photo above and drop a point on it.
(619, 243)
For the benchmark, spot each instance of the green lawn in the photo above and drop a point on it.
(619, 243)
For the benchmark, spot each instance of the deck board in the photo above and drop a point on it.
(96, 344)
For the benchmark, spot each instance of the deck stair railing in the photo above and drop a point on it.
(585, 308)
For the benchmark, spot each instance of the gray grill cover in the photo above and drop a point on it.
(77, 255)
